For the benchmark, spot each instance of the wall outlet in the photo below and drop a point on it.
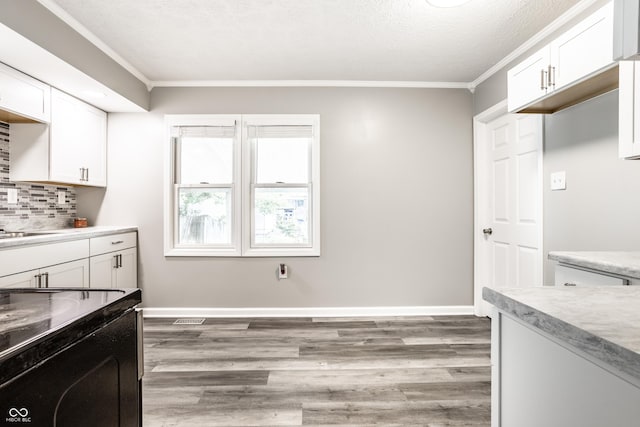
(12, 196)
(558, 181)
(62, 198)
(283, 271)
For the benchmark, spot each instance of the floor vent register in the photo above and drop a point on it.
(189, 322)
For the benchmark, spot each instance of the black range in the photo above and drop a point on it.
(70, 357)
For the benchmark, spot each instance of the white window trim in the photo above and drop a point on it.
(241, 192)
(247, 154)
(170, 194)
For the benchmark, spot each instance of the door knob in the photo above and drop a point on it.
(487, 231)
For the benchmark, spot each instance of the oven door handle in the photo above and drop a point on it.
(140, 340)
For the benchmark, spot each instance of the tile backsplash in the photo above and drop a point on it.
(37, 206)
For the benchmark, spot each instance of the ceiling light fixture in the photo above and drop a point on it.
(447, 3)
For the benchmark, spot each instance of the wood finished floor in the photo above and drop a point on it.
(410, 371)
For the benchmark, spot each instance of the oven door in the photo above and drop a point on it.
(93, 382)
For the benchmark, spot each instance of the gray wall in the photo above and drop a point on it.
(397, 202)
(600, 209)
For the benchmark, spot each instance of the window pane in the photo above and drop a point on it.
(282, 160)
(204, 216)
(206, 160)
(281, 216)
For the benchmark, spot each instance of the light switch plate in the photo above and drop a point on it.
(12, 196)
(558, 181)
(61, 198)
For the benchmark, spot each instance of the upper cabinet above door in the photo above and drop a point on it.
(574, 67)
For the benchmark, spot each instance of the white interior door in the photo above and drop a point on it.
(508, 217)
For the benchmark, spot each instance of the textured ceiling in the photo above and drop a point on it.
(385, 40)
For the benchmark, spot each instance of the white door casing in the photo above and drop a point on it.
(508, 200)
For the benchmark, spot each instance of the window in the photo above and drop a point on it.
(243, 185)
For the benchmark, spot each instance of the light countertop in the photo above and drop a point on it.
(620, 263)
(62, 235)
(603, 322)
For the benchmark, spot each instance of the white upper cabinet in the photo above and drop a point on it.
(629, 110)
(584, 49)
(22, 97)
(522, 77)
(71, 150)
(570, 69)
(78, 142)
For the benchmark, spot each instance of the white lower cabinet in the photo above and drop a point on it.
(26, 279)
(538, 380)
(114, 261)
(115, 269)
(108, 261)
(568, 276)
(74, 274)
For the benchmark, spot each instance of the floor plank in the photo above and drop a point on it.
(393, 371)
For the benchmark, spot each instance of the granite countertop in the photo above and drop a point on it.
(63, 235)
(626, 264)
(37, 323)
(603, 322)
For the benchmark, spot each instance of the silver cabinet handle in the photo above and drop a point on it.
(81, 174)
(117, 242)
(551, 76)
(38, 278)
(46, 279)
(119, 260)
(86, 174)
(569, 284)
(543, 79)
(115, 259)
(487, 231)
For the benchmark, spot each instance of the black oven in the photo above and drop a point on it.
(84, 371)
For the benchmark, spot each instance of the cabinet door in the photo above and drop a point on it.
(93, 140)
(24, 95)
(102, 270)
(583, 49)
(127, 272)
(629, 110)
(78, 141)
(26, 279)
(73, 274)
(527, 81)
(65, 151)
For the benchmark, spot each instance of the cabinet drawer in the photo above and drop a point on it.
(33, 257)
(114, 242)
(567, 276)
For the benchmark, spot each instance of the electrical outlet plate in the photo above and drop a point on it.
(62, 198)
(12, 196)
(283, 271)
(558, 181)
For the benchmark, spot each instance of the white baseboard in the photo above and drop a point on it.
(308, 311)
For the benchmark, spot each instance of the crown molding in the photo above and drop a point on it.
(309, 83)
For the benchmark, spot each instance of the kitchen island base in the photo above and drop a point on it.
(539, 380)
